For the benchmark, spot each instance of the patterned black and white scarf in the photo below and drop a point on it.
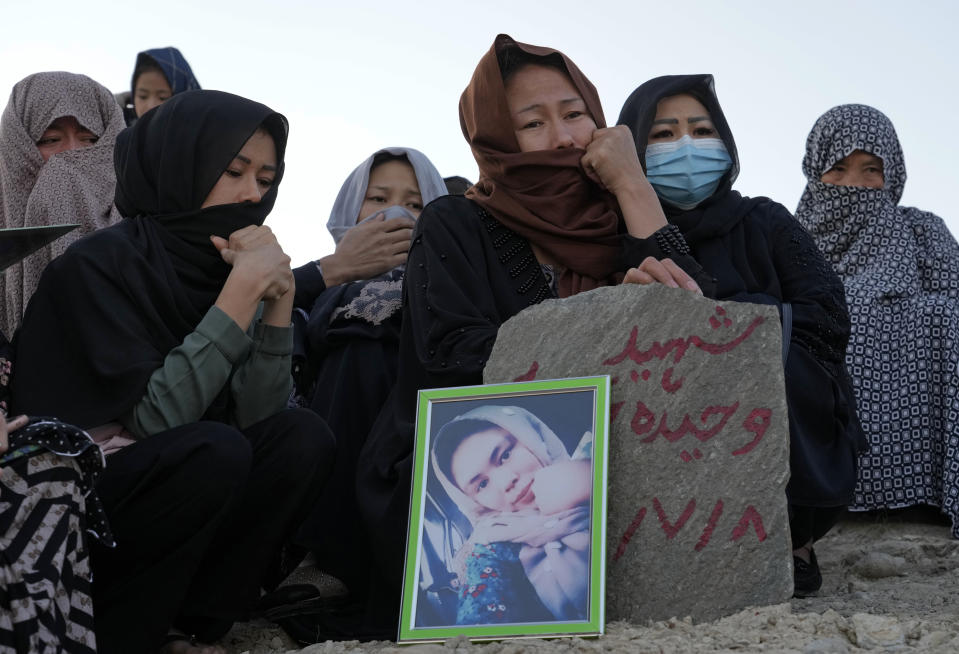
(49, 511)
(900, 268)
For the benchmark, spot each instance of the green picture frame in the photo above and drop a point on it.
(507, 527)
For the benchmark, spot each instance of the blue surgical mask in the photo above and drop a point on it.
(687, 171)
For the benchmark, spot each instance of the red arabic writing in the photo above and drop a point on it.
(749, 518)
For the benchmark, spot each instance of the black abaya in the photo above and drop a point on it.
(758, 253)
(356, 367)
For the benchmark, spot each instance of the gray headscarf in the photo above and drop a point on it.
(71, 187)
(900, 269)
(346, 209)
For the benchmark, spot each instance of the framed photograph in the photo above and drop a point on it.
(508, 513)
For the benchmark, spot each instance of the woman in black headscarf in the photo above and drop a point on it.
(141, 331)
(758, 253)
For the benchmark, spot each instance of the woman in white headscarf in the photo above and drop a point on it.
(900, 269)
(352, 337)
(56, 166)
(528, 501)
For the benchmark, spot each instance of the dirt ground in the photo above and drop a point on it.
(891, 584)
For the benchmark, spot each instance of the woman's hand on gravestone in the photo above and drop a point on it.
(661, 271)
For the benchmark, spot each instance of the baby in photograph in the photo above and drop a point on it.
(528, 501)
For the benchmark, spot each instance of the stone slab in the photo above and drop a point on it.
(699, 445)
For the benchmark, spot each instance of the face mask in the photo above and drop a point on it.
(687, 171)
(394, 211)
(219, 220)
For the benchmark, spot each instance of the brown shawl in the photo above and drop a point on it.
(71, 187)
(544, 196)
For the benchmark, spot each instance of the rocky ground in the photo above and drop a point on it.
(891, 584)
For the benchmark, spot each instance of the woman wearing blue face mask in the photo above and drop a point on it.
(757, 252)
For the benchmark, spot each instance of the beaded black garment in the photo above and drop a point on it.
(517, 256)
(670, 240)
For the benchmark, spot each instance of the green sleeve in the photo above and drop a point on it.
(263, 382)
(192, 375)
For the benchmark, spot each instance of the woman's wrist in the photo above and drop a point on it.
(334, 273)
(240, 297)
(279, 312)
(641, 209)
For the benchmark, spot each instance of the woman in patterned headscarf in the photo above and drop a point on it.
(900, 268)
(56, 166)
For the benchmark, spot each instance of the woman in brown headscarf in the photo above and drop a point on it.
(56, 166)
(559, 197)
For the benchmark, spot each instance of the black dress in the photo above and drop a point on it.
(757, 252)
(466, 275)
(352, 343)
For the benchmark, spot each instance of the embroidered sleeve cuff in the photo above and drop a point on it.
(665, 242)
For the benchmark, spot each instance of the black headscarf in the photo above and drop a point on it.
(108, 311)
(724, 208)
(169, 162)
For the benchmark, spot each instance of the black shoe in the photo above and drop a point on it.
(338, 620)
(807, 578)
(297, 599)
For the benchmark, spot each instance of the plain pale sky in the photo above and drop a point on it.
(354, 77)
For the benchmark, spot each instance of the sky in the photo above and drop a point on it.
(353, 77)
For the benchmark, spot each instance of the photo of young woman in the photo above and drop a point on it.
(525, 492)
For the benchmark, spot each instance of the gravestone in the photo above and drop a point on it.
(699, 442)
